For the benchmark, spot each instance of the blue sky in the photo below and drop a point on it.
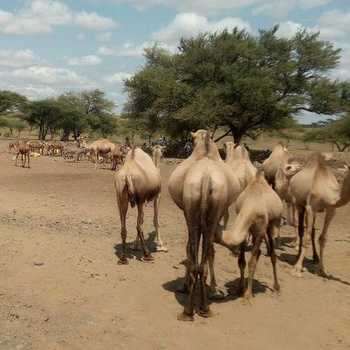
(51, 46)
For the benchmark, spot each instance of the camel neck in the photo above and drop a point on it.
(345, 191)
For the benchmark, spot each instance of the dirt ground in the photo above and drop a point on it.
(61, 286)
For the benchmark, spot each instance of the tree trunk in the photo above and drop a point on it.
(65, 136)
(236, 134)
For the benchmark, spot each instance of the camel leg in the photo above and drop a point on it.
(123, 204)
(276, 285)
(252, 266)
(226, 217)
(159, 243)
(214, 292)
(16, 162)
(304, 241)
(140, 215)
(330, 212)
(242, 265)
(204, 309)
(315, 256)
(28, 160)
(192, 267)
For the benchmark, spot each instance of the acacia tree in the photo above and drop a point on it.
(234, 81)
(11, 102)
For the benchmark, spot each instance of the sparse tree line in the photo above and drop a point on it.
(68, 115)
(233, 83)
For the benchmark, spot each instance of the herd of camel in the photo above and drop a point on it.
(97, 150)
(204, 186)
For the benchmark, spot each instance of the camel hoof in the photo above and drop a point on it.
(123, 261)
(183, 316)
(148, 258)
(205, 313)
(277, 289)
(322, 273)
(216, 294)
(247, 299)
(296, 272)
(161, 248)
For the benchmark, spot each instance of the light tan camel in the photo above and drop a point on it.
(259, 213)
(100, 148)
(157, 154)
(278, 158)
(237, 158)
(203, 187)
(117, 156)
(23, 149)
(282, 180)
(315, 189)
(137, 182)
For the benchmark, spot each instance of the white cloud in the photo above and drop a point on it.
(104, 37)
(48, 75)
(90, 60)
(132, 50)
(19, 58)
(190, 24)
(94, 21)
(270, 7)
(41, 16)
(118, 77)
(288, 29)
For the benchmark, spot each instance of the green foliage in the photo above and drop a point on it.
(73, 113)
(235, 81)
(336, 132)
(11, 102)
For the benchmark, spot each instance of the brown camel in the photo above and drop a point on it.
(36, 146)
(259, 212)
(100, 148)
(278, 158)
(137, 182)
(315, 189)
(117, 156)
(23, 149)
(203, 187)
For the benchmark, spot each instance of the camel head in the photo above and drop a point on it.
(157, 154)
(291, 168)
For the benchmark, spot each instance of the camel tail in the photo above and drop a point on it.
(206, 184)
(131, 190)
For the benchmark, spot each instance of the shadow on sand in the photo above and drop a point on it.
(137, 253)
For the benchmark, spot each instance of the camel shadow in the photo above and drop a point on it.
(311, 267)
(132, 253)
(232, 291)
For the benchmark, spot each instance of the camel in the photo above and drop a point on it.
(100, 148)
(237, 157)
(259, 211)
(157, 154)
(282, 180)
(13, 146)
(278, 158)
(315, 189)
(136, 182)
(36, 146)
(117, 156)
(203, 187)
(23, 149)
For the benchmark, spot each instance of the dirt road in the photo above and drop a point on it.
(61, 287)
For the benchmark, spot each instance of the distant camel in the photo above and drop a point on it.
(23, 149)
(315, 189)
(203, 187)
(259, 212)
(100, 148)
(137, 182)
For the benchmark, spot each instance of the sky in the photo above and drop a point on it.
(51, 46)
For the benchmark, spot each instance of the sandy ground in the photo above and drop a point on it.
(61, 286)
